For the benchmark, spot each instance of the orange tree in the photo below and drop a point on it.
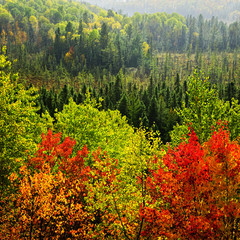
(196, 195)
(55, 196)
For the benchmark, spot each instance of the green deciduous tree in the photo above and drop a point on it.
(205, 110)
(94, 128)
(20, 125)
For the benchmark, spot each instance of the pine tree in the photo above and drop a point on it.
(153, 111)
(117, 89)
(123, 105)
(57, 46)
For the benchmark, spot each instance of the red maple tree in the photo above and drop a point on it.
(196, 195)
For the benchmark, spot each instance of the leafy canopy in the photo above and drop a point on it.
(19, 122)
(204, 112)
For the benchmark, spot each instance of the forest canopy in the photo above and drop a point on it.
(116, 126)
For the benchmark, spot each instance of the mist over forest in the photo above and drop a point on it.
(226, 10)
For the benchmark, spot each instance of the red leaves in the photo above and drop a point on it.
(194, 196)
(50, 194)
(57, 195)
(198, 191)
(154, 219)
(50, 150)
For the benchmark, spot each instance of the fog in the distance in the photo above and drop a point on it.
(226, 10)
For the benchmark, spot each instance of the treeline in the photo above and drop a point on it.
(149, 101)
(152, 107)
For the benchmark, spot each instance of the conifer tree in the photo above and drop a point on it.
(123, 105)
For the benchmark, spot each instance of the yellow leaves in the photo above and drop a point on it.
(116, 25)
(146, 47)
(68, 57)
(51, 34)
(63, 38)
(196, 35)
(3, 39)
(86, 31)
(34, 22)
(90, 26)
(75, 36)
(4, 63)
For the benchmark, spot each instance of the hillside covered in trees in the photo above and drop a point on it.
(96, 177)
(137, 64)
(115, 126)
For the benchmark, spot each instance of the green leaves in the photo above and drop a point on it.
(205, 111)
(94, 128)
(20, 125)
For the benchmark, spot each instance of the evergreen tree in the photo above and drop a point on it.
(57, 46)
(117, 89)
(69, 28)
(123, 105)
(104, 38)
(230, 92)
(153, 111)
(145, 99)
(64, 96)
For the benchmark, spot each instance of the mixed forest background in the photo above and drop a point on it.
(128, 107)
(138, 65)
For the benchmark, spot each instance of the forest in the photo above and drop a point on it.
(117, 127)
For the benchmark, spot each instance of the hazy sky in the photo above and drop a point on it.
(228, 10)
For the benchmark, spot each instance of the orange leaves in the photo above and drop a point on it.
(59, 197)
(69, 56)
(21, 36)
(193, 196)
(154, 219)
(51, 186)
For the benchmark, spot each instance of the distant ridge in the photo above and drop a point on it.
(226, 10)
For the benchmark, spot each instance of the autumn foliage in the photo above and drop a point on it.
(195, 195)
(54, 198)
